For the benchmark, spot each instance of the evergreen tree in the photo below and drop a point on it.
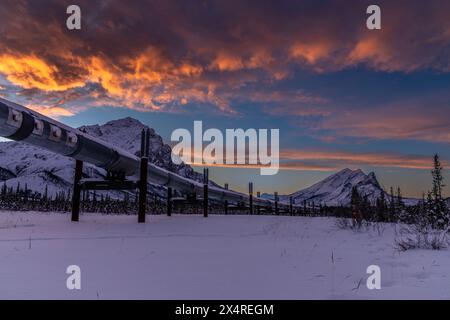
(366, 210)
(400, 204)
(356, 204)
(26, 193)
(400, 213)
(18, 188)
(437, 208)
(381, 208)
(392, 206)
(46, 193)
(4, 190)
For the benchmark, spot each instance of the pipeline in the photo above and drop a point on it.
(25, 125)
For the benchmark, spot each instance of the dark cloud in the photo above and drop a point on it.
(155, 55)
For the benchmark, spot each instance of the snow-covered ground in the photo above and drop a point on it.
(220, 257)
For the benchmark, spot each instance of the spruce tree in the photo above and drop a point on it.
(17, 195)
(381, 208)
(392, 203)
(46, 193)
(399, 200)
(356, 204)
(26, 193)
(4, 190)
(437, 208)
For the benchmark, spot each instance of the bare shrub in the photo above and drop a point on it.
(378, 228)
(421, 237)
(359, 226)
(343, 223)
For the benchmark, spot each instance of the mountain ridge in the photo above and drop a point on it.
(335, 190)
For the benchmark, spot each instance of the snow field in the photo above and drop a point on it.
(219, 257)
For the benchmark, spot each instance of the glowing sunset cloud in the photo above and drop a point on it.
(149, 63)
(31, 72)
(52, 112)
(316, 160)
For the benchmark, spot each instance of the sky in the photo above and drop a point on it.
(340, 94)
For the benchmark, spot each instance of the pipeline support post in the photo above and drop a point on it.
(258, 211)
(143, 175)
(250, 198)
(77, 190)
(205, 191)
(276, 204)
(169, 201)
(143, 190)
(226, 201)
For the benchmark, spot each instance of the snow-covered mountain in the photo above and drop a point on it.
(336, 189)
(37, 168)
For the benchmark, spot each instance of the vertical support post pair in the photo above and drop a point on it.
(143, 175)
(77, 190)
(205, 191)
(258, 210)
(169, 201)
(141, 184)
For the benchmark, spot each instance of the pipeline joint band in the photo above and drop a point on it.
(25, 129)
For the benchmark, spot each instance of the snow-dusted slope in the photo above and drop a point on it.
(37, 168)
(126, 134)
(336, 189)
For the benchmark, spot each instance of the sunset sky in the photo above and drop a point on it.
(341, 95)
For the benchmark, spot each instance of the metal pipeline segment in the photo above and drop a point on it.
(22, 124)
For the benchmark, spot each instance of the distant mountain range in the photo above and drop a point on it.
(336, 189)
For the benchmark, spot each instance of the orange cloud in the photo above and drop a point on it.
(282, 166)
(157, 57)
(29, 71)
(322, 160)
(353, 159)
(51, 111)
(377, 54)
(311, 52)
(226, 62)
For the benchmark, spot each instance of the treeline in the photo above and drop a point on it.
(23, 199)
(431, 210)
(387, 208)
